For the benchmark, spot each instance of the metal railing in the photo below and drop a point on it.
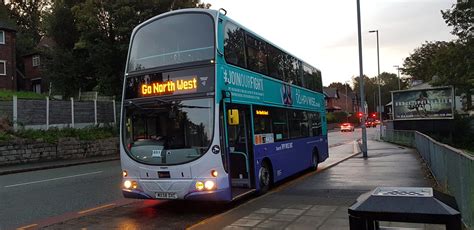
(452, 168)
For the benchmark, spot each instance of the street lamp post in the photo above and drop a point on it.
(361, 83)
(379, 81)
(398, 75)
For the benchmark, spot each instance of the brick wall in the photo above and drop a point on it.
(26, 151)
(7, 53)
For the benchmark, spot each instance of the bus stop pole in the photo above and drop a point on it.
(361, 85)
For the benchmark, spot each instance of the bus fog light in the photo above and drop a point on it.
(199, 185)
(209, 185)
(127, 184)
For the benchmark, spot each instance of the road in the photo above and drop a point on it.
(26, 197)
(47, 196)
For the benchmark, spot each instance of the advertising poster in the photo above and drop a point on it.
(431, 103)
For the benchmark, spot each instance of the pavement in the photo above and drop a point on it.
(320, 200)
(11, 169)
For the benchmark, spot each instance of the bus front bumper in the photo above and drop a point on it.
(135, 194)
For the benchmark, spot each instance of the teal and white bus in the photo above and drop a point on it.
(212, 111)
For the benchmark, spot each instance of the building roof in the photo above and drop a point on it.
(7, 26)
(44, 43)
(331, 92)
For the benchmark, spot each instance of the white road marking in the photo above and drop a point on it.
(52, 179)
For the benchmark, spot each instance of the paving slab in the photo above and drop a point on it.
(320, 201)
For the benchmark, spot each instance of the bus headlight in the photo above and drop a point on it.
(209, 185)
(199, 185)
(127, 184)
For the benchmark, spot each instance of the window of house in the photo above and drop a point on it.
(36, 60)
(3, 68)
(2, 37)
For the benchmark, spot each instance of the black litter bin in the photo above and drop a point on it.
(404, 204)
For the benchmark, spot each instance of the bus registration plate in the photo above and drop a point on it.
(166, 195)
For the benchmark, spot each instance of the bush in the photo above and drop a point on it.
(54, 134)
(336, 117)
(7, 95)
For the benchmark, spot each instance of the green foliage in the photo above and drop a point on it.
(7, 95)
(420, 64)
(389, 82)
(28, 17)
(341, 87)
(463, 135)
(53, 135)
(461, 18)
(4, 136)
(93, 38)
(336, 117)
(452, 62)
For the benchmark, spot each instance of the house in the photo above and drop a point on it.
(8, 79)
(331, 96)
(34, 79)
(347, 103)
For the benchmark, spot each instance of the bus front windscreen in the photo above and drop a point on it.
(168, 132)
(175, 39)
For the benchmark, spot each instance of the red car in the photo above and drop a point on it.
(369, 124)
(347, 127)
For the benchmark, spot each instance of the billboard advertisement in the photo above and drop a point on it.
(430, 103)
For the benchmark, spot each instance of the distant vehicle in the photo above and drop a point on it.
(369, 124)
(211, 111)
(377, 122)
(347, 127)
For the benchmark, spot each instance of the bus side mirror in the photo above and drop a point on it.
(233, 116)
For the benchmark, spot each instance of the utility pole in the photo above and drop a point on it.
(361, 83)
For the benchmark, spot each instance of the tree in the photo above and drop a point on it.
(341, 87)
(420, 64)
(28, 16)
(461, 18)
(105, 29)
(456, 64)
(388, 83)
(451, 62)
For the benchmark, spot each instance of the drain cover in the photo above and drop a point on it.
(403, 191)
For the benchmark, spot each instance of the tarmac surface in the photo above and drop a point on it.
(310, 200)
(320, 201)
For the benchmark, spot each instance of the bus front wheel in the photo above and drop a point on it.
(264, 177)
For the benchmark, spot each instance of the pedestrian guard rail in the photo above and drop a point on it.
(452, 168)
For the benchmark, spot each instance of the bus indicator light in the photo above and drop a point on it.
(214, 173)
(124, 173)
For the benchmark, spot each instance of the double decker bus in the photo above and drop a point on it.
(212, 111)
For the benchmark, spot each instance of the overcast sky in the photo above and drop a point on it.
(324, 32)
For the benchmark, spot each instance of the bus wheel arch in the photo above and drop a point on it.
(265, 175)
(315, 159)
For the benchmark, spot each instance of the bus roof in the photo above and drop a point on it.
(214, 14)
(266, 40)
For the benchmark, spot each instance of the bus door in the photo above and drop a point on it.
(239, 134)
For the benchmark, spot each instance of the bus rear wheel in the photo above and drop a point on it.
(264, 177)
(315, 161)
